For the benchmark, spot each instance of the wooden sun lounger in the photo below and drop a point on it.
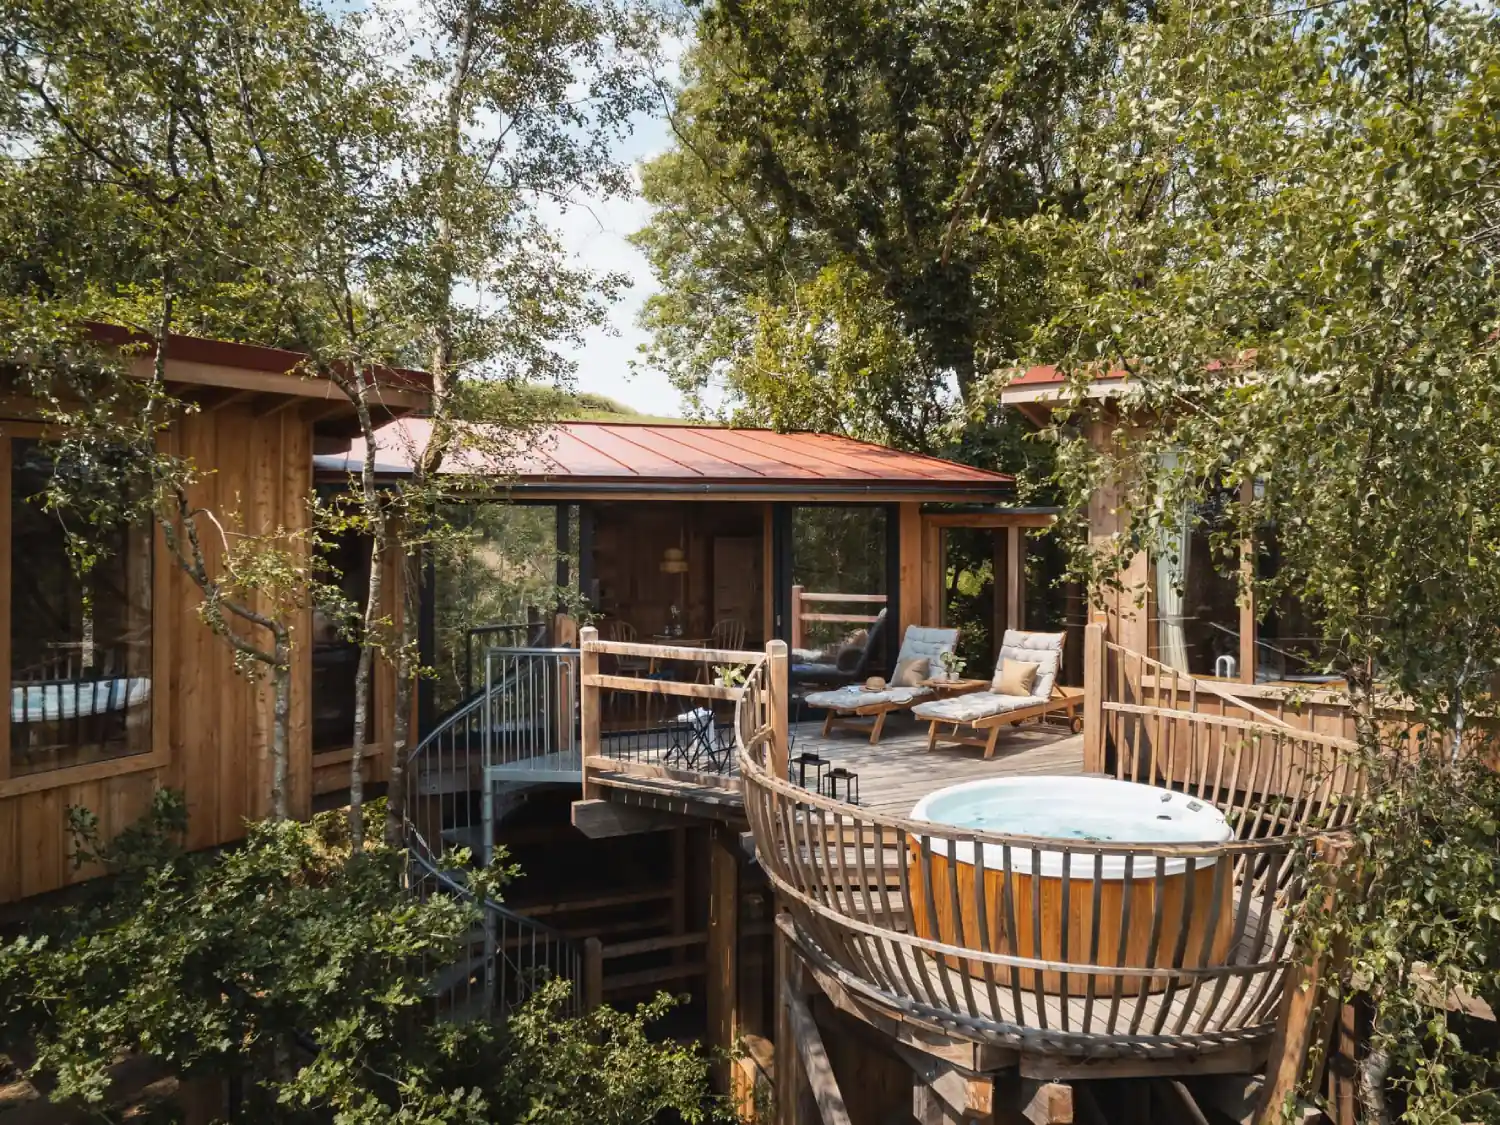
(1067, 701)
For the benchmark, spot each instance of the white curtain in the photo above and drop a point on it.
(1171, 583)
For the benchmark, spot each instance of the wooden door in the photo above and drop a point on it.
(738, 583)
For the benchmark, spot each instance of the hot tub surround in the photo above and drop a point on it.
(1043, 899)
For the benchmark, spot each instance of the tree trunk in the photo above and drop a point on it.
(406, 675)
(370, 627)
(281, 718)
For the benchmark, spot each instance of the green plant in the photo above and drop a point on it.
(302, 969)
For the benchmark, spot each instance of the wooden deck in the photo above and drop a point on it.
(897, 773)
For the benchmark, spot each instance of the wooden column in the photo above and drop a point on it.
(1015, 579)
(1095, 666)
(795, 632)
(588, 703)
(723, 944)
(792, 1094)
(1247, 593)
(1000, 555)
(909, 608)
(777, 668)
(593, 973)
(1307, 1014)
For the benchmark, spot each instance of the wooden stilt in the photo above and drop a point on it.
(723, 944)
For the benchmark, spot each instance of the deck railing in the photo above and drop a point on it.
(672, 722)
(1073, 947)
(802, 615)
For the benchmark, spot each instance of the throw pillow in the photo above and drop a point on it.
(910, 673)
(1016, 677)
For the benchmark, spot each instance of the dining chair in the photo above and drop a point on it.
(728, 633)
(617, 629)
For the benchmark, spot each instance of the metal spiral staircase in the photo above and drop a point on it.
(480, 762)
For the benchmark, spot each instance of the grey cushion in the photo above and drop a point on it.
(1041, 649)
(852, 698)
(975, 705)
(921, 640)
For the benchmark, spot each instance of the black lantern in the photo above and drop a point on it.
(837, 777)
(802, 761)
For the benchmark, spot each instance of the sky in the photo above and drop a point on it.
(596, 233)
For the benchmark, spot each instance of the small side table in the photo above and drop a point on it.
(944, 688)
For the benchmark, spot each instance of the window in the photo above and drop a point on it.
(1197, 616)
(840, 587)
(80, 645)
(335, 655)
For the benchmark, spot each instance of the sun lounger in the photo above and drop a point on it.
(849, 704)
(984, 713)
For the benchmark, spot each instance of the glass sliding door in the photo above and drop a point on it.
(841, 603)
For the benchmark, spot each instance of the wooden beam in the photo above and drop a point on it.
(814, 1058)
(1000, 518)
(1178, 1106)
(642, 686)
(965, 1097)
(795, 632)
(600, 819)
(1046, 1103)
(1239, 1059)
(723, 943)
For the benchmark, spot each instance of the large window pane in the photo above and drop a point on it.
(1196, 594)
(80, 646)
(335, 655)
(839, 552)
(506, 572)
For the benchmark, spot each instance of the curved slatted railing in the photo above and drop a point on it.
(521, 728)
(1110, 948)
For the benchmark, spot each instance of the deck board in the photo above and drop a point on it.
(897, 773)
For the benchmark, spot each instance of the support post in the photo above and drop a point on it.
(1015, 580)
(790, 1083)
(780, 701)
(723, 943)
(593, 973)
(1094, 672)
(817, 1071)
(588, 703)
(1307, 1013)
(796, 630)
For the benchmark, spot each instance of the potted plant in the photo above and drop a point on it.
(953, 665)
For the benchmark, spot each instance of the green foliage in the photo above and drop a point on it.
(1290, 245)
(832, 229)
(302, 970)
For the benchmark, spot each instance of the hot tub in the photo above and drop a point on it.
(1123, 880)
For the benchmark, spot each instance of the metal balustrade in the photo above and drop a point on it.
(484, 757)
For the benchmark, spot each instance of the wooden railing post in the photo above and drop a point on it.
(1307, 1012)
(795, 632)
(779, 700)
(593, 973)
(588, 703)
(1094, 671)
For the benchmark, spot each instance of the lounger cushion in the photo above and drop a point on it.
(976, 705)
(1042, 649)
(924, 641)
(853, 698)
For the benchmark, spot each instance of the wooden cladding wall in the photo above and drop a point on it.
(211, 727)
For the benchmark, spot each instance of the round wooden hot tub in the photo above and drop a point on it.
(1128, 898)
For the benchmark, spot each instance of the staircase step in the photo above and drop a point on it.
(627, 898)
(648, 977)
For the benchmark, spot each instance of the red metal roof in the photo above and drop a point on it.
(646, 454)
